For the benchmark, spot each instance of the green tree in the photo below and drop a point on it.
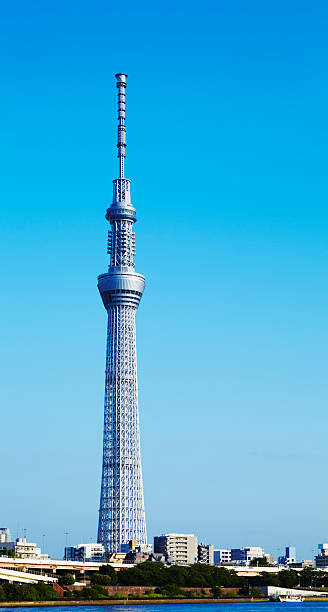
(256, 592)
(7, 552)
(94, 592)
(260, 562)
(200, 575)
(171, 590)
(288, 578)
(320, 579)
(144, 574)
(108, 570)
(306, 577)
(66, 579)
(176, 575)
(102, 579)
(10, 591)
(268, 579)
(227, 578)
(15, 592)
(46, 592)
(216, 592)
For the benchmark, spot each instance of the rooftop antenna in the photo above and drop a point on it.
(121, 131)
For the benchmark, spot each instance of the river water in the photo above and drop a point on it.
(317, 606)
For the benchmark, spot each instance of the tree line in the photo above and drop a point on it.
(158, 574)
(166, 581)
(27, 592)
(202, 575)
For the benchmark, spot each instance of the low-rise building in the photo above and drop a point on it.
(137, 557)
(274, 591)
(177, 547)
(117, 558)
(222, 556)
(22, 549)
(246, 554)
(129, 547)
(302, 564)
(133, 546)
(270, 558)
(85, 552)
(205, 554)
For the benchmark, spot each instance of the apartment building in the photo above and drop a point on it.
(177, 547)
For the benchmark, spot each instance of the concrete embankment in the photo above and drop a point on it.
(123, 602)
(316, 598)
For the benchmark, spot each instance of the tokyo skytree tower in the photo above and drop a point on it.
(122, 511)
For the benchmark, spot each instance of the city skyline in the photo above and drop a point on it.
(176, 547)
(228, 96)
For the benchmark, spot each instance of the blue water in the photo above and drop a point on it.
(317, 606)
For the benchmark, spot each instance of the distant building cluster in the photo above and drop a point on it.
(182, 549)
(169, 548)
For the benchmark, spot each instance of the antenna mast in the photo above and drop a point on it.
(121, 131)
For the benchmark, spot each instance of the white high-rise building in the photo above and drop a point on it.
(206, 554)
(177, 547)
(4, 535)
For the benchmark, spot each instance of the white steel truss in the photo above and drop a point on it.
(122, 516)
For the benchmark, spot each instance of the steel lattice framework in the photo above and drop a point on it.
(122, 512)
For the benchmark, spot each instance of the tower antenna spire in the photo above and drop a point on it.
(121, 130)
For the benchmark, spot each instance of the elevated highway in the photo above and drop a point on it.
(46, 570)
(23, 576)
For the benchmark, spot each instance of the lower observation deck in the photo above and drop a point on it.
(121, 288)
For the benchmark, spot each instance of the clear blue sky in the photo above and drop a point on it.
(227, 150)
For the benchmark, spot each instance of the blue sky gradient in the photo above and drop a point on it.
(227, 153)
